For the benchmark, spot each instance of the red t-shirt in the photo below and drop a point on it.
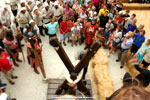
(70, 25)
(63, 27)
(119, 20)
(5, 63)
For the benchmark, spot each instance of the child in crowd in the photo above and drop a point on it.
(70, 25)
(109, 27)
(117, 39)
(75, 34)
(93, 14)
(63, 31)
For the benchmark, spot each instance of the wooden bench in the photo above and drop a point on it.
(54, 83)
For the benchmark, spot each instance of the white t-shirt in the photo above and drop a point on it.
(3, 96)
(118, 36)
(92, 14)
(74, 30)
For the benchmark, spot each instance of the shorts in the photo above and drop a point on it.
(139, 57)
(114, 44)
(75, 38)
(145, 63)
(106, 34)
(134, 48)
(63, 36)
(69, 34)
(9, 74)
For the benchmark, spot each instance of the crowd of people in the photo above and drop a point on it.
(79, 22)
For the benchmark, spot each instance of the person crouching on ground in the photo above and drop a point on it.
(6, 66)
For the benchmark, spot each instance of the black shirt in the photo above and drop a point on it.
(126, 15)
(103, 20)
(144, 76)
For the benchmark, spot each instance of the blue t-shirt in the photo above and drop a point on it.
(131, 28)
(138, 40)
(51, 28)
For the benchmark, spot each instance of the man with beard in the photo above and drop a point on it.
(47, 14)
(57, 12)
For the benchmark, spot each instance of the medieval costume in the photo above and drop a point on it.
(11, 46)
(37, 17)
(90, 33)
(23, 18)
(33, 40)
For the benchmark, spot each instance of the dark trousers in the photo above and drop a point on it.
(14, 12)
(21, 29)
(1, 43)
(121, 56)
(41, 30)
(75, 18)
(60, 20)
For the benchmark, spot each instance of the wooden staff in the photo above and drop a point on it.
(38, 58)
(18, 35)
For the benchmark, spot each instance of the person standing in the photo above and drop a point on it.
(12, 47)
(125, 45)
(63, 31)
(116, 39)
(91, 29)
(47, 14)
(139, 39)
(14, 6)
(38, 17)
(5, 17)
(68, 12)
(132, 26)
(145, 48)
(34, 62)
(23, 18)
(57, 12)
(6, 66)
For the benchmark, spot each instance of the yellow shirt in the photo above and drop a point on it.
(102, 12)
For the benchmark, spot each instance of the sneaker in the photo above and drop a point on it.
(121, 67)
(117, 60)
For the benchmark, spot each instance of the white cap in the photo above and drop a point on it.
(46, 4)
(35, 8)
(23, 8)
(22, 1)
(55, 3)
(38, 2)
(120, 12)
(31, 21)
